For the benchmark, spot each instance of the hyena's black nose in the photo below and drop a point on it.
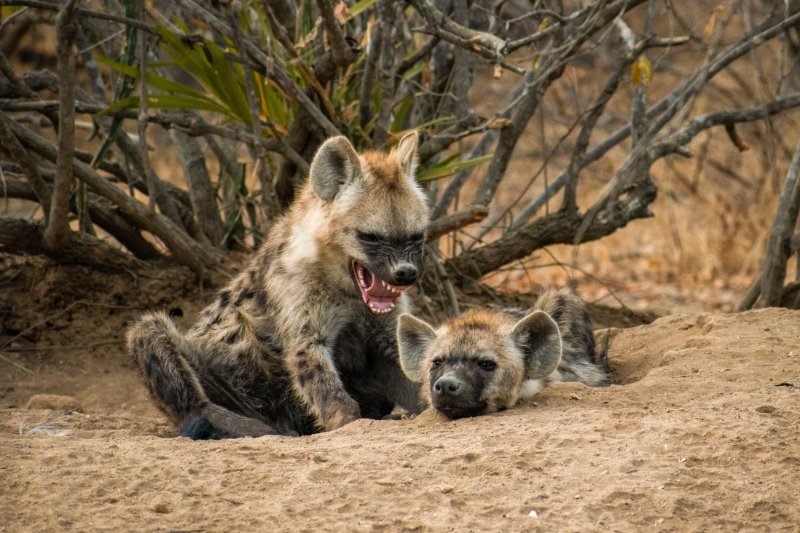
(447, 385)
(405, 275)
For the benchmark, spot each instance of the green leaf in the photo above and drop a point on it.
(154, 80)
(360, 6)
(445, 169)
(413, 71)
(166, 101)
(400, 114)
(434, 122)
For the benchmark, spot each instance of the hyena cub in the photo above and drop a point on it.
(485, 361)
(304, 338)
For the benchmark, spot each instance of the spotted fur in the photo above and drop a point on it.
(289, 346)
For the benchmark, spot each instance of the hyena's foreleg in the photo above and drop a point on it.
(317, 382)
(164, 356)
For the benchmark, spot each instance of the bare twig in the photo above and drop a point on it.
(423, 52)
(82, 12)
(201, 190)
(202, 260)
(30, 168)
(341, 50)
(374, 44)
(447, 285)
(14, 363)
(386, 73)
(779, 244)
(105, 217)
(445, 224)
(57, 222)
(22, 236)
(485, 44)
(65, 346)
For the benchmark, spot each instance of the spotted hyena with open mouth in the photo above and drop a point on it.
(485, 361)
(303, 338)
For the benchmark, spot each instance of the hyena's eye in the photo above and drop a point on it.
(417, 237)
(368, 237)
(436, 362)
(488, 366)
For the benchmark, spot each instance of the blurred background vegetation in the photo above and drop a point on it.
(644, 147)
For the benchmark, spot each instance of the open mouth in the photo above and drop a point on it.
(379, 295)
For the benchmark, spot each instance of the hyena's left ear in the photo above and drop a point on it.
(406, 153)
(414, 337)
(335, 164)
(539, 340)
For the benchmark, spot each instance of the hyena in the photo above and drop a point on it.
(303, 339)
(486, 361)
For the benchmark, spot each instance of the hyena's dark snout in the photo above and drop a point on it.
(448, 387)
(456, 395)
(405, 274)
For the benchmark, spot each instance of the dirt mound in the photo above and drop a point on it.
(699, 433)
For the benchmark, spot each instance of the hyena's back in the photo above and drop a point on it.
(579, 360)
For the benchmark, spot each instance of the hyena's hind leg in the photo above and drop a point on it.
(579, 360)
(166, 359)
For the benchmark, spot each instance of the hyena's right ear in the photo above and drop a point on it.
(414, 337)
(406, 152)
(335, 164)
(539, 340)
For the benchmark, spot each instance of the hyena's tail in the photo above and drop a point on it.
(162, 353)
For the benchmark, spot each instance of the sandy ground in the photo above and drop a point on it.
(699, 433)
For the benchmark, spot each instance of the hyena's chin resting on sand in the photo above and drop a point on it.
(486, 361)
(303, 339)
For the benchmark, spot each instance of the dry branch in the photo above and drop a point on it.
(557, 228)
(11, 144)
(57, 222)
(22, 236)
(205, 262)
(341, 50)
(106, 217)
(201, 190)
(779, 244)
(453, 221)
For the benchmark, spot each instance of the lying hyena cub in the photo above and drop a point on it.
(485, 361)
(304, 338)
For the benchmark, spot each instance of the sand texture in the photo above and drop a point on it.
(700, 433)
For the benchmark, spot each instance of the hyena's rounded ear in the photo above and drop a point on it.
(335, 164)
(414, 337)
(538, 338)
(406, 153)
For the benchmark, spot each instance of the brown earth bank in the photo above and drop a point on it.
(700, 432)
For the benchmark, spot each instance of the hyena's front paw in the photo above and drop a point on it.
(340, 413)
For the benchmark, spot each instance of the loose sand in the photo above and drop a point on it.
(699, 433)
